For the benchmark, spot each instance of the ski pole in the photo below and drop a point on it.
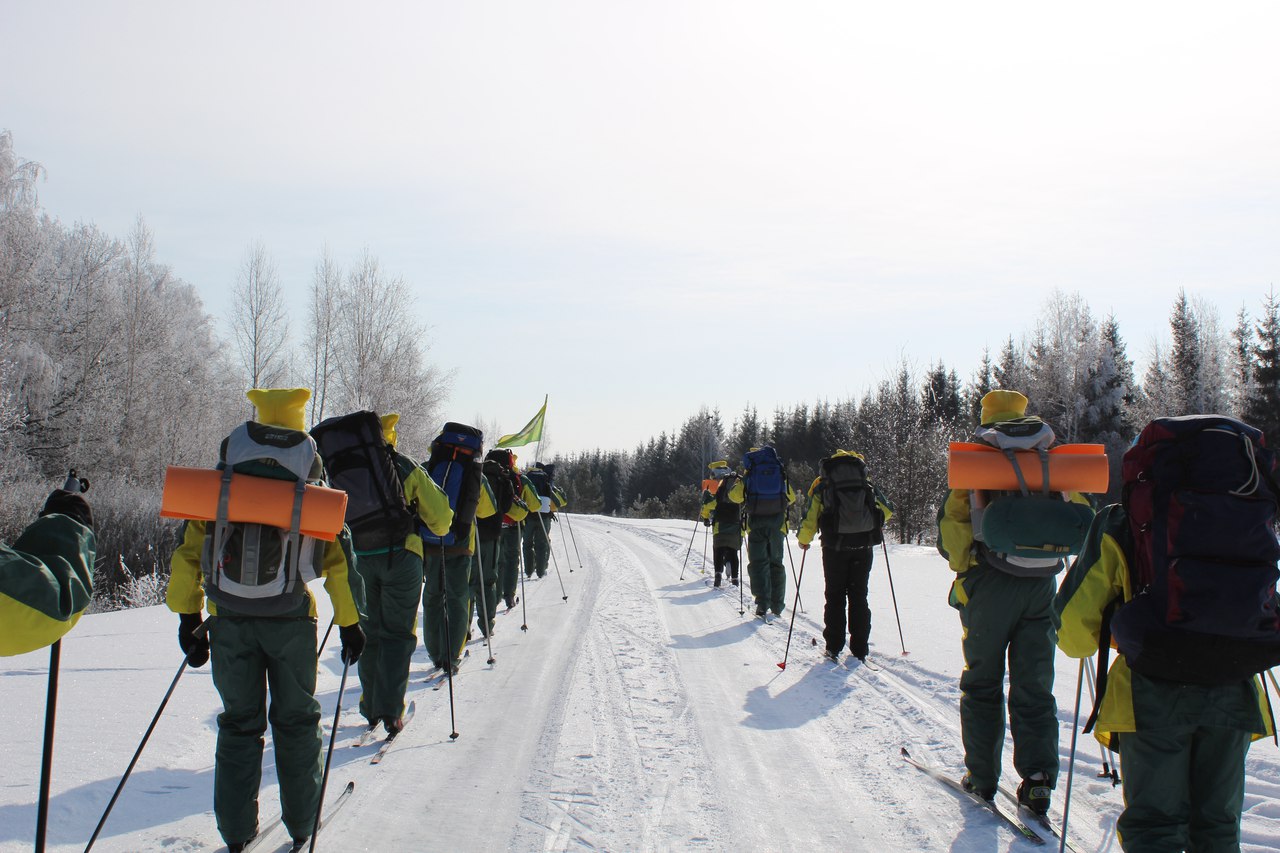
(564, 540)
(742, 572)
(199, 632)
(328, 758)
(706, 535)
(524, 597)
(564, 596)
(578, 553)
(46, 762)
(1071, 761)
(448, 647)
(72, 484)
(787, 539)
(689, 550)
(325, 641)
(484, 604)
(787, 652)
(894, 595)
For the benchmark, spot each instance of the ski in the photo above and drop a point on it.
(304, 844)
(391, 738)
(866, 664)
(1000, 811)
(437, 681)
(512, 606)
(266, 831)
(1040, 820)
(367, 736)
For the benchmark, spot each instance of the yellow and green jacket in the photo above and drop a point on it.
(46, 582)
(426, 499)
(809, 526)
(725, 535)
(530, 499)
(1099, 576)
(486, 508)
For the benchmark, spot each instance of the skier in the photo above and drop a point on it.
(1006, 610)
(46, 576)
(849, 511)
(509, 539)
(765, 493)
(393, 580)
(537, 533)
(253, 653)
(724, 517)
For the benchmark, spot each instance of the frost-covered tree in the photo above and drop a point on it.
(322, 332)
(259, 320)
(1262, 408)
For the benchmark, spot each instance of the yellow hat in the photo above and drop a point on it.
(1002, 406)
(282, 407)
(389, 428)
(723, 463)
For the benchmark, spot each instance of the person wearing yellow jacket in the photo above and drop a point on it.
(508, 551)
(393, 580)
(1182, 746)
(850, 511)
(254, 653)
(46, 576)
(447, 590)
(766, 537)
(1005, 604)
(724, 517)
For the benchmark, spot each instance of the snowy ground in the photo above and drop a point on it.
(643, 713)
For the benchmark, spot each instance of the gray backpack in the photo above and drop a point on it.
(258, 569)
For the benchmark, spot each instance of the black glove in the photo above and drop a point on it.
(195, 648)
(706, 522)
(352, 642)
(69, 504)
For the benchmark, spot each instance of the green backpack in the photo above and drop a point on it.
(1025, 532)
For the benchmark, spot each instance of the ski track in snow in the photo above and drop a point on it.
(643, 713)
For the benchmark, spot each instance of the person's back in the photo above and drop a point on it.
(264, 637)
(765, 494)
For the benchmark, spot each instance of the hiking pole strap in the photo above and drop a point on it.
(1104, 660)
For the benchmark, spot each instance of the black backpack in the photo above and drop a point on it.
(361, 463)
(850, 517)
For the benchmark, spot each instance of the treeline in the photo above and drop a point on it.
(110, 364)
(1073, 365)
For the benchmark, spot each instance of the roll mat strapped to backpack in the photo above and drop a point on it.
(191, 494)
(1072, 468)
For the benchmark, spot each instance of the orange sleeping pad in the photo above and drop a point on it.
(1072, 468)
(711, 486)
(192, 493)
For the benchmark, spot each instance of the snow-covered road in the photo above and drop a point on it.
(643, 713)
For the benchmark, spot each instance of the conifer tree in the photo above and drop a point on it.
(1262, 408)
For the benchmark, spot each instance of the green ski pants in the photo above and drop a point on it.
(509, 564)
(537, 544)
(484, 571)
(1183, 789)
(249, 657)
(1012, 617)
(765, 554)
(455, 572)
(392, 583)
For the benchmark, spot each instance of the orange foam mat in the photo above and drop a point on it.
(1072, 468)
(192, 493)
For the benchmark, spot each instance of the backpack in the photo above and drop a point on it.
(540, 479)
(455, 467)
(726, 514)
(504, 484)
(359, 461)
(259, 569)
(764, 483)
(1201, 504)
(850, 517)
(1023, 532)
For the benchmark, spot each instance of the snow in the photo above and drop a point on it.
(642, 714)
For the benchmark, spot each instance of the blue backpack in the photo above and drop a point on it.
(1201, 504)
(764, 482)
(456, 467)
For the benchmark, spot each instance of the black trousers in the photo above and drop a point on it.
(726, 560)
(847, 574)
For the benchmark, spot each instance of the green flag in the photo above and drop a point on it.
(532, 431)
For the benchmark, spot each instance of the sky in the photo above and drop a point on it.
(641, 208)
